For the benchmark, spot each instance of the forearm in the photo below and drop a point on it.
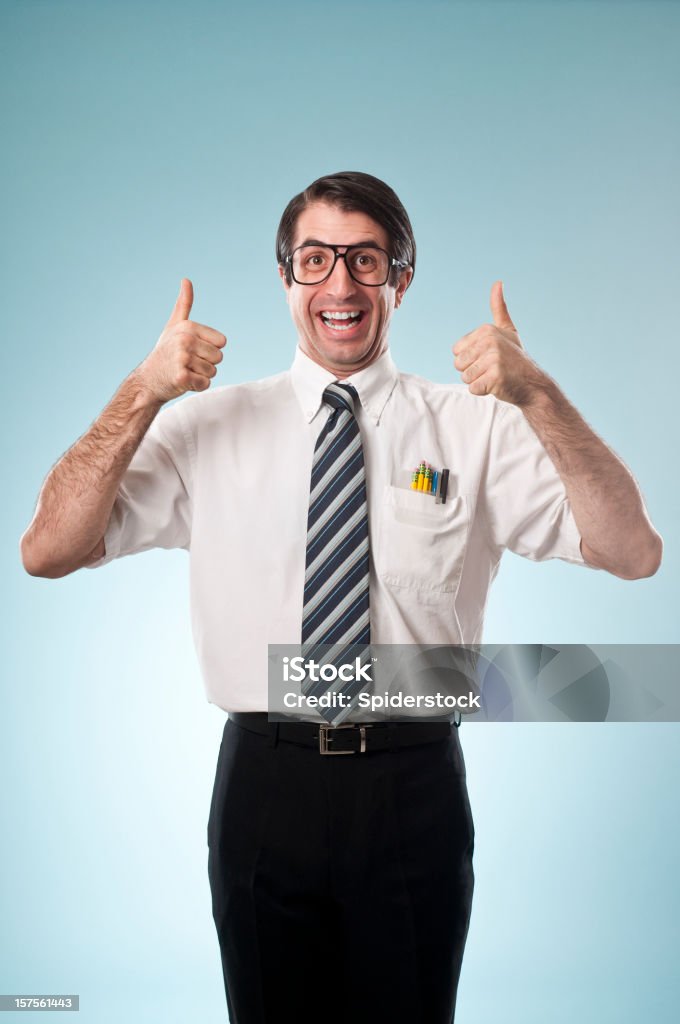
(605, 499)
(77, 496)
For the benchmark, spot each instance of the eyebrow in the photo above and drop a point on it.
(368, 242)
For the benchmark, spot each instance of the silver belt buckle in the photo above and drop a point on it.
(325, 738)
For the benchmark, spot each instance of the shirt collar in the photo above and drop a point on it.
(374, 384)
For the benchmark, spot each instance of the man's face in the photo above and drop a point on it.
(342, 351)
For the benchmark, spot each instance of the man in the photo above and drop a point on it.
(341, 886)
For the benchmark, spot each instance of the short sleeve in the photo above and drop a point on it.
(523, 497)
(152, 508)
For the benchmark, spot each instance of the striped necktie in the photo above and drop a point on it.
(336, 608)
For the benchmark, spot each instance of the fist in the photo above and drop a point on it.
(185, 355)
(493, 361)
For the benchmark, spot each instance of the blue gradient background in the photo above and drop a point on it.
(535, 142)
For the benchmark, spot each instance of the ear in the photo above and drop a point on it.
(282, 275)
(404, 281)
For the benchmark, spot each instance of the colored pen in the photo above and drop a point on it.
(445, 485)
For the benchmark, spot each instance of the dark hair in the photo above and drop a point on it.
(352, 191)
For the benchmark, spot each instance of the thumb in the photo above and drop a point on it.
(501, 317)
(184, 302)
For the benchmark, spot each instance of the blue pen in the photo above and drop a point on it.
(435, 479)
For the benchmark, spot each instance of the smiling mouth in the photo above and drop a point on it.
(341, 322)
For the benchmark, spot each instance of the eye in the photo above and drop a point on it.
(364, 260)
(315, 259)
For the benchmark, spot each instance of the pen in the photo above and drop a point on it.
(445, 485)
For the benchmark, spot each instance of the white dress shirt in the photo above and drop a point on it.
(225, 475)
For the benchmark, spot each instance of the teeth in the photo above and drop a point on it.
(340, 327)
(341, 316)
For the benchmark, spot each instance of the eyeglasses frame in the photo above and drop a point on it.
(343, 256)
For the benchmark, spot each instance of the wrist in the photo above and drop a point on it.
(540, 393)
(142, 396)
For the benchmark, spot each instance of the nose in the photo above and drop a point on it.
(341, 282)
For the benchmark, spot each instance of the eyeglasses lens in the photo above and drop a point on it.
(312, 263)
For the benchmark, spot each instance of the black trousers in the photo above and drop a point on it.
(341, 886)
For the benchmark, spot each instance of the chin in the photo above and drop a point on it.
(346, 352)
(345, 356)
(350, 360)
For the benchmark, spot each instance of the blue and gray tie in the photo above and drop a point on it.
(336, 607)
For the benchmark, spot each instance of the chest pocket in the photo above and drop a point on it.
(422, 544)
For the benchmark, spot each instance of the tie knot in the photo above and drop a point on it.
(340, 396)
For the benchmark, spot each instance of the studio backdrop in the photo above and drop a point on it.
(535, 143)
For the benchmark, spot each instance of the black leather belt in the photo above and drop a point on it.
(348, 738)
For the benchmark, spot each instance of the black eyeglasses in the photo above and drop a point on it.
(367, 264)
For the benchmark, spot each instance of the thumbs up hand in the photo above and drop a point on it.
(185, 355)
(493, 360)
